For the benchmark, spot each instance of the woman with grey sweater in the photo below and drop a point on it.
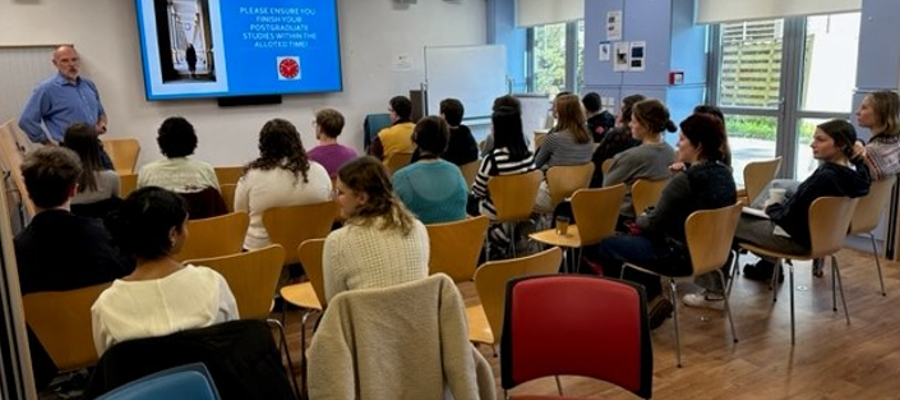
(650, 160)
(569, 145)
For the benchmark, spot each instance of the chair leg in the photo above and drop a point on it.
(287, 353)
(728, 307)
(791, 291)
(303, 360)
(512, 238)
(877, 262)
(773, 284)
(834, 266)
(673, 294)
(558, 385)
(833, 286)
(734, 270)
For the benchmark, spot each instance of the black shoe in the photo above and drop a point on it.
(762, 271)
(658, 310)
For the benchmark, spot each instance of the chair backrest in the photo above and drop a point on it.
(215, 237)
(469, 171)
(187, 382)
(373, 124)
(127, 184)
(645, 193)
(709, 236)
(11, 160)
(514, 195)
(565, 180)
(290, 226)
(577, 325)
(539, 139)
(455, 247)
(867, 215)
(491, 278)
(597, 211)
(310, 255)
(227, 190)
(829, 220)
(62, 322)
(206, 203)
(229, 174)
(757, 175)
(397, 161)
(607, 164)
(123, 152)
(252, 277)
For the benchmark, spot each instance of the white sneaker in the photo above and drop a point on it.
(701, 300)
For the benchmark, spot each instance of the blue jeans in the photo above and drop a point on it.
(667, 257)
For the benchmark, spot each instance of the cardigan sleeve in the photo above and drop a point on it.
(331, 266)
(242, 194)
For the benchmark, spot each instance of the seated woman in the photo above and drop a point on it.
(657, 242)
(381, 243)
(162, 296)
(615, 140)
(510, 156)
(195, 180)
(395, 138)
(331, 154)
(282, 176)
(880, 113)
(569, 144)
(432, 188)
(98, 187)
(650, 160)
(462, 148)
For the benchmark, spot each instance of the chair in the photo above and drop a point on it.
(290, 226)
(127, 184)
(829, 221)
(123, 152)
(576, 325)
(187, 382)
(539, 139)
(11, 160)
(709, 234)
(227, 190)
(598, 211)
(216, 236)
(645, 193)
(607, 164)
(308, 295)
(229, 175)
(565, 180)
(373, 124)
(206, 203)
(513, 197)
(757, 175)
(455, 247)
(397, 161)
(469, 171)
(62, 323)
(486, 319)
(867, 216)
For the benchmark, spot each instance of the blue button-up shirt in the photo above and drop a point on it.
(60, 103)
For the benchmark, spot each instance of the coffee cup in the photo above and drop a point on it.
(776, 195)
(562, 226)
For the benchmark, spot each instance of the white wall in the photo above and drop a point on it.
(372, 32)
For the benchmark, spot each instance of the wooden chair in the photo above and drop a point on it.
(229, 175)
(62, 322)
(607, 164)
(227, 190)
(469, 171)
(757, 175)
(11, 160)
(565, 180)
(867, 216)
(291, 226)
(709, 234)
(539, 139)
(397, 161)
(645, 193)
(598, 211)
(215, 237)
(455, 247)
(123, 152)
(127, 184)
(486, 319)
(513, 197)
(829, 222)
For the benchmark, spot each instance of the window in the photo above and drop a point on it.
(554, 59)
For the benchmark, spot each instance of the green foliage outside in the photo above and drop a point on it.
(763, 128)
(550, 58)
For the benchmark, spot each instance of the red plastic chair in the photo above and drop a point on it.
(576, 325)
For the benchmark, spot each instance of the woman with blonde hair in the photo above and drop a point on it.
(381, 243)
(569, 144)
(880, 113)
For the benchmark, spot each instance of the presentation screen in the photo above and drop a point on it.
(221, 48)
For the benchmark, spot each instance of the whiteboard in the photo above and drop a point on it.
(23, 68)
(475, 75)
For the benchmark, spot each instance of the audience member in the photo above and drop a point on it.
(462, 148)
(599, 121)
(282, 176)
(98, 188)
(880, 113)
(715, 112)
(177, 140)
(570, 144)
(162, 296)
(512, 103)
(397, 137)
(615, 140)
(329, 153)
(432, 188)
(381, 243)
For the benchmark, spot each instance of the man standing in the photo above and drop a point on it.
(62, 100)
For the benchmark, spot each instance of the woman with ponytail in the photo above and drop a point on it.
(381, 243)
(650, 160)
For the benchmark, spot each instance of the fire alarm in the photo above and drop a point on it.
(676, 78)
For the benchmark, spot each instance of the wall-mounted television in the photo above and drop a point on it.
(223, 48)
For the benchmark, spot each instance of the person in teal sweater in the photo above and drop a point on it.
(432, 188)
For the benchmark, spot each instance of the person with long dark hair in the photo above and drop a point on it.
(282, 176)
(98, 187)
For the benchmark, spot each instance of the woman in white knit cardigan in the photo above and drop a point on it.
(381, 243)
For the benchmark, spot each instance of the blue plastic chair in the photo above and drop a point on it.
(187, 382)
(373, 124)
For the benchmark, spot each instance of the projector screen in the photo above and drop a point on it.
(221, 48)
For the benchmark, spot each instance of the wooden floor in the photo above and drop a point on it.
(830, 361)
